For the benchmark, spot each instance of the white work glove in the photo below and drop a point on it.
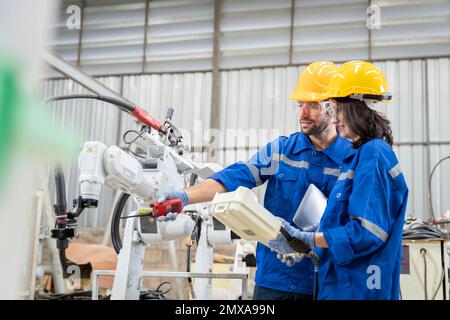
(290, 260)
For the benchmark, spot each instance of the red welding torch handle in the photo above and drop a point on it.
(163, 208)
(143, 116)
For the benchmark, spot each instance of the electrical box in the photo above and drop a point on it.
(241, 212)
(424, 274)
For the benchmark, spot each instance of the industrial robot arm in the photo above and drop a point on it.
(158, 165)
(114, 167)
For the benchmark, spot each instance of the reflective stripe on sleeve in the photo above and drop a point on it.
(255, 172)
(372, 228)
(395, 171)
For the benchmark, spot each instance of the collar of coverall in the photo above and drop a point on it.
(336, 150)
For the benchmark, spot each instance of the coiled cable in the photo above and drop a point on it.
(422, 230)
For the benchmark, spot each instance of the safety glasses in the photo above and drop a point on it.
(321, 107)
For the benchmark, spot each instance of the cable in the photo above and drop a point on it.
(423, 252)
(301, 247)
(156, 294)
(149, 294)
(192, 180)
(61, 220)
(422, 230)
(188, 269)
(127, 106)
(60, 186)
(315, 259)
(64, 261)
(429, 185)
(440, 284)
(138, 134)
(115, 223)
(139, 215)
(76, 295)
(163, 283)
(137, 112)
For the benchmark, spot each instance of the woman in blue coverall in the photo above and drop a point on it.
(359, 237)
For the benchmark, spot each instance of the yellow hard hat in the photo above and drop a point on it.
(313, 82)
(359, 80)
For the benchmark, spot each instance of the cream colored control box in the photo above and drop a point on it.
(424, 273)
(241, 212)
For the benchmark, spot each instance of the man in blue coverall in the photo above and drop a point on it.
(288, 165)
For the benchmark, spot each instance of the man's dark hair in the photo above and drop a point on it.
(365, 122)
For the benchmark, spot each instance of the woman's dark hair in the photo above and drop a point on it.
(364, 122)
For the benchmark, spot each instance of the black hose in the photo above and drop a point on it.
(61, 211)
(127, 106)
(115, 223)
(61, 204)
(62, 246)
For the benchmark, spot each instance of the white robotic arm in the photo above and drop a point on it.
(114, 167)
(100, 165)
(163, 168)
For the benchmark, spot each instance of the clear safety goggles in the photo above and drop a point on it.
(322, 107)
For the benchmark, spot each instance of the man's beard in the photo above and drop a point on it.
(319, 127)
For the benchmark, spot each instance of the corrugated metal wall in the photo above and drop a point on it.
(118, 37)
(255, 102)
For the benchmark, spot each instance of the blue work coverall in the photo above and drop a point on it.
(290, 165)
(363, 225)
